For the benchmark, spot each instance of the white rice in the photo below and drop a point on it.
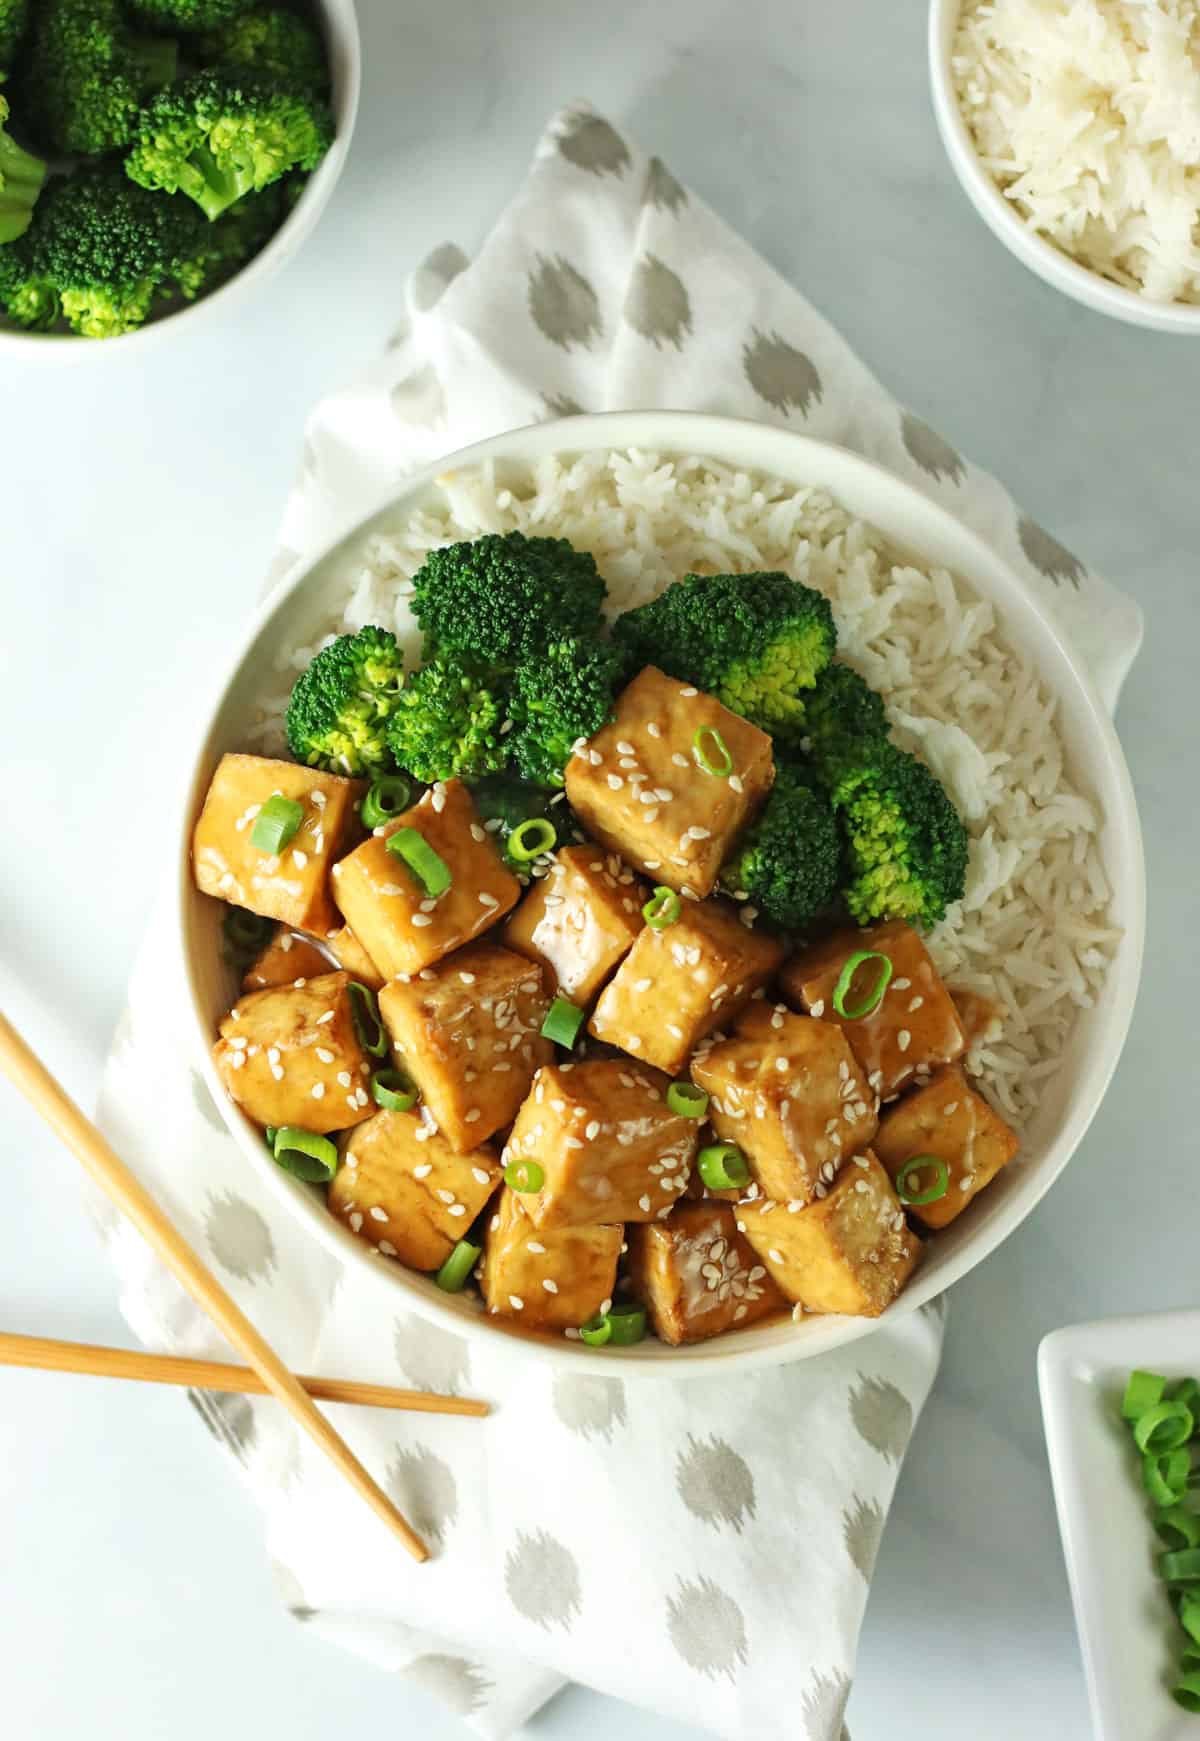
(1086, 113)
(1032, 930)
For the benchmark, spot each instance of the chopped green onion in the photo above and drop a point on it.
(429, 868)
(1178, 1528)
(386, 797)
(1141, 1393)
(246, 933)
(723, 1167)
(628, 1325)
(1189, 1615)
(269, 1137)
(933, 1192)
(1165, 1476)
(454, 1274)
(530, 839)
(662, 909)
(716, 761)
(1186, 1691)
(597, 1331)
(305, 1155)
(276, 823)
(1164, 1427)
(1180, 1566)
(524, 1176)
(1184, 1390)
(368, 1023)
(874, 997)
(394, 1090)
(1189, 1660)
(563, 1022)
(686, 1100)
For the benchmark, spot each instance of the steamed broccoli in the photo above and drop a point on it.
(224, 248)
(340, 705)
(217, 137)
(448, 722)
(14, 16)
(86, 75)
(906, 844)
(755, 641)
(172, 15)
(501, 599)
(506, 801)
(789, 861)
(844, 721)
(564, 694)
(270, 43)
(99, 252)
(21, 178)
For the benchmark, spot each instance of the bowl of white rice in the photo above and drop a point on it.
(1074, 129)
(975, 675)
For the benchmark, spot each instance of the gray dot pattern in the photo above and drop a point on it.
(707, 1629)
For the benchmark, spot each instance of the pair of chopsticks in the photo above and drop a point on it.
(268, 1374)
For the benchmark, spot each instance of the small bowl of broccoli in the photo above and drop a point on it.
(156, 153)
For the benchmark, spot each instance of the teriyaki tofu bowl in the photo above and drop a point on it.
(660, 890)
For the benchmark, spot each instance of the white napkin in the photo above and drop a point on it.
(701, 1548)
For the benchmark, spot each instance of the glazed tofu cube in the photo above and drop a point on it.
(285, 959)
(640, 787)
(790, 1092)
(467, 1032)
(293, 886)
(948, 1119)
(850, 1252)
(679, 984)
(349, 953)
(606, 1142)
(980, 1018)
(549, 1281)
(697, 1275)
(402, 1188)
(291, 1055)
(912, 1030)
(580, 921)
(402, 928)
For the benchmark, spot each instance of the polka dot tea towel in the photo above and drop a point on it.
(703, 1548)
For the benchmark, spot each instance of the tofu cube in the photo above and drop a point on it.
(948, 1119)
(285, 959)
(291, 1055)
(402, 1188)
(403, 929)
(467, 1032)
(547, 1280)
(639, 786)
(606, 1142)
(790, 1092)
(580, 921)
(697, 1276)
(349, 953)
(914, 1028)
(293, 886)
(850, 1252)
(679, 984)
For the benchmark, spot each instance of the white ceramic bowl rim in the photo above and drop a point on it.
(340, 24)
(1007, 224)
(793, 458)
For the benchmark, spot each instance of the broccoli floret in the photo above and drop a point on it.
(14, 16)
(28, 299)
(224, 248)
(340, 706)
(218, 137)
(755, 641)
(789, 861)
(507, 801)
(21, 178)
(86, 76)
(272, 44)
(844, 722)
(447, 723)
(564, 694)
(187, 15)
(501, 599)
(907, 847)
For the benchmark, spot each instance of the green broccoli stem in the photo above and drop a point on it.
(214, 189)
(21, 179)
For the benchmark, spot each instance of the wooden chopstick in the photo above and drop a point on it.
(27, 1072)
(39, 1353)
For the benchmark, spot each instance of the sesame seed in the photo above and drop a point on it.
(901, 984)
(644, 1204)
(689, 691)
(903, 1039)
(517, 1304)
(356, 1222)
(665, 795)
(477, 833)
(680, 761)
(299, 984)
(344, 1079)
(592, 1129)
(595, 758)
(775, 1256)
(653, 730)
(438, 798)
(378, 1214)
(318, 1091)
(627, 762)
(467, 978)
(533, 1245)
(615, 782)
(817, 1010)
(324, 1055)
(550, 1287)
(640, 985)
(625, 748)
(457, 1209)
(735, 784)
(486, 900)
(696, 833)
(421, 919)
(652, 863)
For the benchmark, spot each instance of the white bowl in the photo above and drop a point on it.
(297, 614)
(339, 24)
(1127, 1633)
(1002, 217)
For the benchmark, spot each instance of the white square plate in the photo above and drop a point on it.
(1128, 1635)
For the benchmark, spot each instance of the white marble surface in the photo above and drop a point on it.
(138, 503)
